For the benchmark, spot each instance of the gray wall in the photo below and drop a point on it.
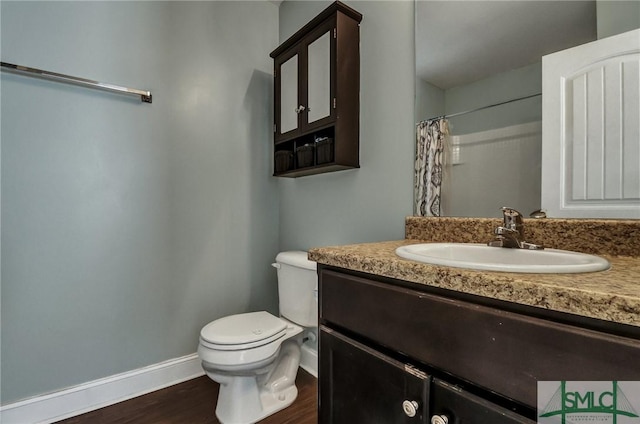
(616, 17)
(429, 100)
(126, 226)
(369, 203)
(432, 101)
(498, 88)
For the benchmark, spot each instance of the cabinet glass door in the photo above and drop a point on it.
(289, 95)
(319, 78)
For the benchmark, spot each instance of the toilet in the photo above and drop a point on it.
(255, 356)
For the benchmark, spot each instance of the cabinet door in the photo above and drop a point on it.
(304, 84)
(461, 407)
(360, 385)
(319, 77)
(287, 93)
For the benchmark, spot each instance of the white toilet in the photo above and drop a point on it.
(255, 356)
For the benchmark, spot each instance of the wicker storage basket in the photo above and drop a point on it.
(305, 155)
(284, 161)
(324, 150)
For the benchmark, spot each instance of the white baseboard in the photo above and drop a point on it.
(97, 394)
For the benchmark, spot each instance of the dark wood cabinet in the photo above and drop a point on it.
(481, 358)
(361, 385)
(316, 95)
(461, 407)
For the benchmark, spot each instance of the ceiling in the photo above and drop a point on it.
(458, 42)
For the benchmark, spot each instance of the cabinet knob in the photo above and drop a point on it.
(300, 109)
(410, 407)
(439, 419)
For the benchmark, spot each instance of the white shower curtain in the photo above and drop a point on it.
(432, 167)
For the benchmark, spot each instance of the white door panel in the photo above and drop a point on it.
(591, 129)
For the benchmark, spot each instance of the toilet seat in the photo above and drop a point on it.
(243, 346)
(243, 331)
(235, 341)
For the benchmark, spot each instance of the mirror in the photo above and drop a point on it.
(479, 64)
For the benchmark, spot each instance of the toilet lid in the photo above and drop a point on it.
(243, 328)
(296, 258)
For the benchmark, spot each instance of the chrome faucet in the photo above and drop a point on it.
(511, 233)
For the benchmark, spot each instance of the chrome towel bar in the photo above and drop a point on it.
(145, 96)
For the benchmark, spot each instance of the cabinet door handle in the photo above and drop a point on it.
(410, 408)
(439, 419)
(300, 109)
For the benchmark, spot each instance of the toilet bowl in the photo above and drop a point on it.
(255, 356)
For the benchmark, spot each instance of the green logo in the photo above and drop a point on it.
(588, 403)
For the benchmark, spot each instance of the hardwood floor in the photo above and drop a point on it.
(194, 402)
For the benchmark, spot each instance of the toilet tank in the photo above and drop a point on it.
(297, 288)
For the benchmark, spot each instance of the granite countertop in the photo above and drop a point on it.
(612, 295)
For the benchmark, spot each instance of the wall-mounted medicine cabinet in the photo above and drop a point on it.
(317, 95)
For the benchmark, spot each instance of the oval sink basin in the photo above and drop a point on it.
(483, 257)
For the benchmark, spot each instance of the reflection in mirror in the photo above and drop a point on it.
(289, 95)
(319, 78)
(503, 144)
(471, 55)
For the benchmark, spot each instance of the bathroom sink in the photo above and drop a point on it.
(483, 257)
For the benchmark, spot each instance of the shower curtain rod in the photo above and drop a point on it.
(481, 108)
(145, 96)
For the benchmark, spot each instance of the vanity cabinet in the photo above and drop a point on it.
(467, 358)
(316, 95)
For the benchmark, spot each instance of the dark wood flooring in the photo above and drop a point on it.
(194, 402)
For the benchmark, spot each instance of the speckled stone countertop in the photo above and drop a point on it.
(612, 295)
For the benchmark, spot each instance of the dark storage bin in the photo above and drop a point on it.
(284, 161)
(324, 150)
(305, 155)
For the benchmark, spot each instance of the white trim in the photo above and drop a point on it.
(309, 359)
(97, 394)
